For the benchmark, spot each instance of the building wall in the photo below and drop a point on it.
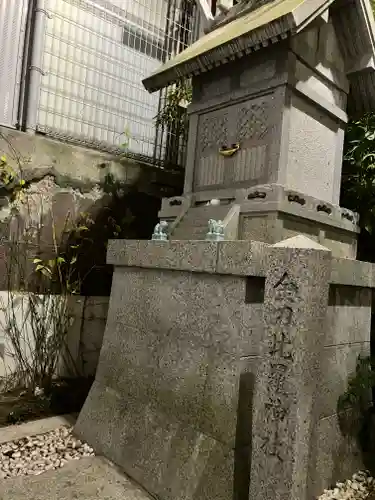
(95, 56)
(67, 183)
(12, 37)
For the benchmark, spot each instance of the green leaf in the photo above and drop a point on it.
(60, 260)
(74, 260)
(37, 261)
(46, 272)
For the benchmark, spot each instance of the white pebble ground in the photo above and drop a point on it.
(359, 487)
(37, 454)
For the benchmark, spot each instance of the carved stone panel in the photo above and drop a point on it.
(280, 399)
(252, 121)
(213, 132)
(210, 171)
(250, 163)
(246, 123)
(252, 132)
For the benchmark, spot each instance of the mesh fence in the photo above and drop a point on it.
(181, 30)
(96, 53)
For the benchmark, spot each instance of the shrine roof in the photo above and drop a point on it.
(240, 32)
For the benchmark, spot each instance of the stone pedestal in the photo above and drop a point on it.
(269, 213)
(192, 326)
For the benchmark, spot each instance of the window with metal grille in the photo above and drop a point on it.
(143, 42)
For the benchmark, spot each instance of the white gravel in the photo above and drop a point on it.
(37, 454)
(359, 487)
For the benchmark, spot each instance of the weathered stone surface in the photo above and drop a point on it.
(184, 333)
(165, 455)
(175, 356)
(333, 383)
(191, 358)
(352, 273)
(348, 315)
(88, 479)
(196, 256)
(333, 457)
(296, 297)
(241, 258)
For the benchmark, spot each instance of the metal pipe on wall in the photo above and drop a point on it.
(34, 71)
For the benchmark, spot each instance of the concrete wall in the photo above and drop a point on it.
(65, 181)
(347, 337)
(85, 336)
(84, 339)
(197, 335)
(79, 175)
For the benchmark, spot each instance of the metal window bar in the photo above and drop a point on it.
(95, 55)
(180, 31)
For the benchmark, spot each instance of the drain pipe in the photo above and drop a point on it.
(34, 72)
(26, 63)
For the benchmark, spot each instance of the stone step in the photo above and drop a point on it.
(209, 212)
(189, 234)
(86, 479)
(194, 224)
(190, 237)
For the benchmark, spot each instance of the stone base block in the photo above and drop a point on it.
(168, 457)
(268, 213)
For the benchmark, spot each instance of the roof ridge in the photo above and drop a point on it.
(242, 8)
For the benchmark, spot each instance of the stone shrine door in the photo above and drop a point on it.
(246, 123)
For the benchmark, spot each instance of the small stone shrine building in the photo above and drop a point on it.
(224, 363)
(276, 80)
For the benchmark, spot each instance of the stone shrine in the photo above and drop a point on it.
(224, 361)
(272, 83)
